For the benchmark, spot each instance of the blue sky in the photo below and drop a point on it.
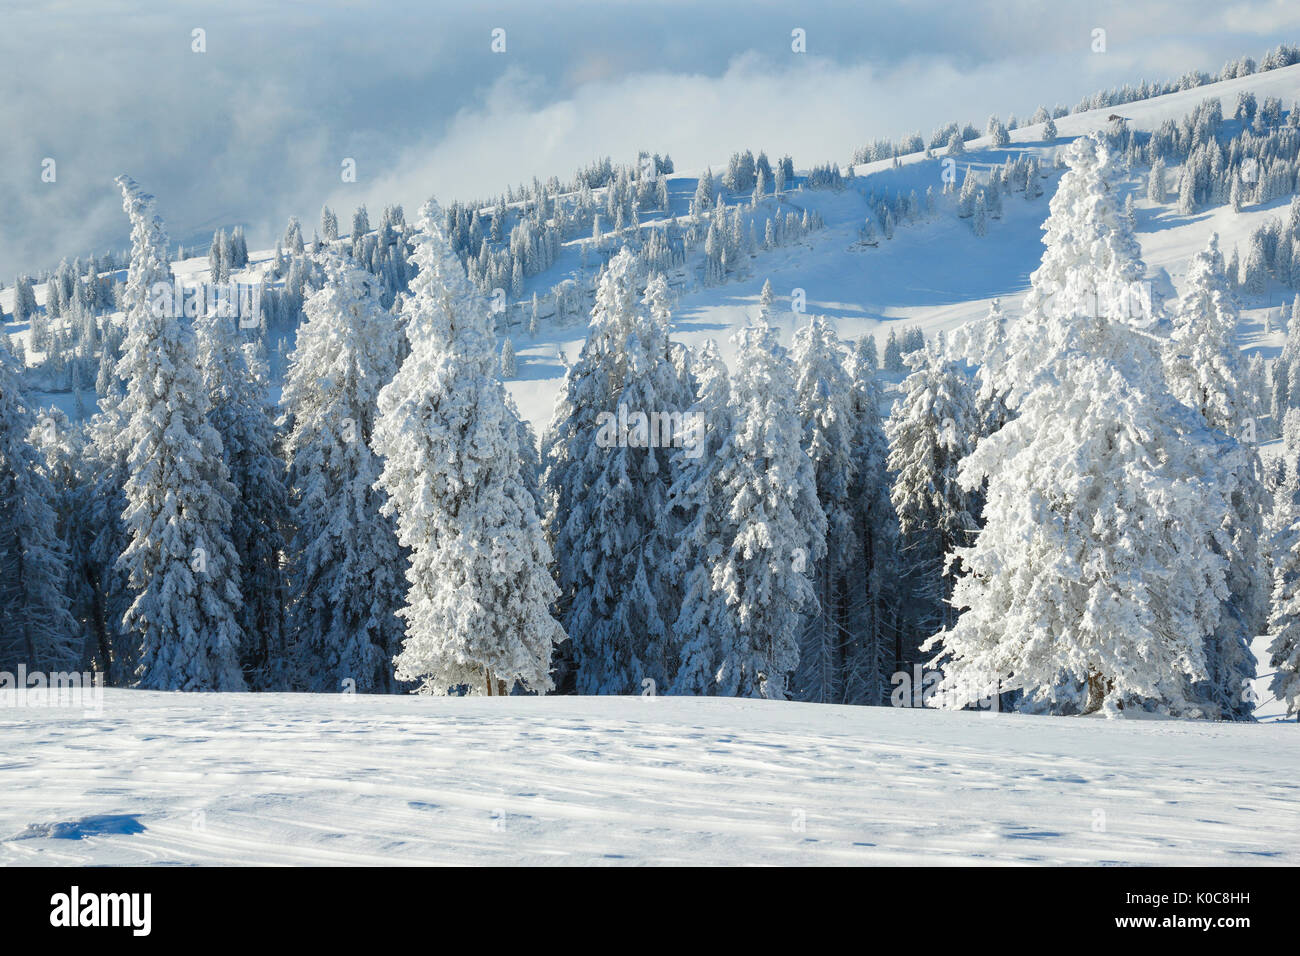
(254, 129)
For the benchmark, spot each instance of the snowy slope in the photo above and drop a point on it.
(285, 779)
(937, 274)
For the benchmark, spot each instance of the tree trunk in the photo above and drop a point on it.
(1098, 687)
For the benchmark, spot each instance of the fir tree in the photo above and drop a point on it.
(477, 610)
(36, 626)
(607, 487)
(344, 558)
(1090, 586)
(824, 396)
(773, 524)
(236, 379)
(182, 568)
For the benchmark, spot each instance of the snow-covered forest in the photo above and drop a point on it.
(306, 470)
(1003, 418)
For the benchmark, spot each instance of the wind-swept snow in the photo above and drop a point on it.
(316, 779)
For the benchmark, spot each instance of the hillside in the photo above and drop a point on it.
(934, 274)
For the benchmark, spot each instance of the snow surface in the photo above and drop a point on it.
(170, 778)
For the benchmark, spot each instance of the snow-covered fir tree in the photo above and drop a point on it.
(697, 501)
(345, 563)
(61, 446)
(237, 380)
(608, 469)
(872, 594)
(932, 428)
(773, 524)
(893, 358)
(36, 626)
(1091, 585)
(823, 397)
(105, 466)
(477, 609)
(1204, 371)
(182, 569)
(508, 366)
(1284, 615)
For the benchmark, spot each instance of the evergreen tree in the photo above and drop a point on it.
(1284, 616)
(1203, 368)
(1156, 187)
(236, 379)
(697, 501)
(478, 607)
(1090, 586)
(773, 525)
(932, 429)
(979, 219)
(182, 568)
(823, 397)
(893, 354)
(870, 586)
(24, 299)
(344, 558)
(608, 473)
(61, 447)
(36, 626)
(507, 364)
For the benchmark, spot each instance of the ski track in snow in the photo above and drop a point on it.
(302, 779)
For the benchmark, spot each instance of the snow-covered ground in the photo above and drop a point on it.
(294, 779)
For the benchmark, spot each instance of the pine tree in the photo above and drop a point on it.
(773, 524)
(478, 608)
(696, 499)
(182, 568)
(765, 299)
(344, 558)
(704, 192)
(931, 430)
(1284, 616)
(966, 198)
(870, 586)
(1156, 188)
(237, 380)
(238, 249)
(1205, 373)
(36, 626)
(1090, 585)
(24, 300)
(1187, 190)
(823, 397)
(1254, 269)
(893, 354)
(979, 220)
(508, 369)
(608, 473)
(105, 466)
(61, 447)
